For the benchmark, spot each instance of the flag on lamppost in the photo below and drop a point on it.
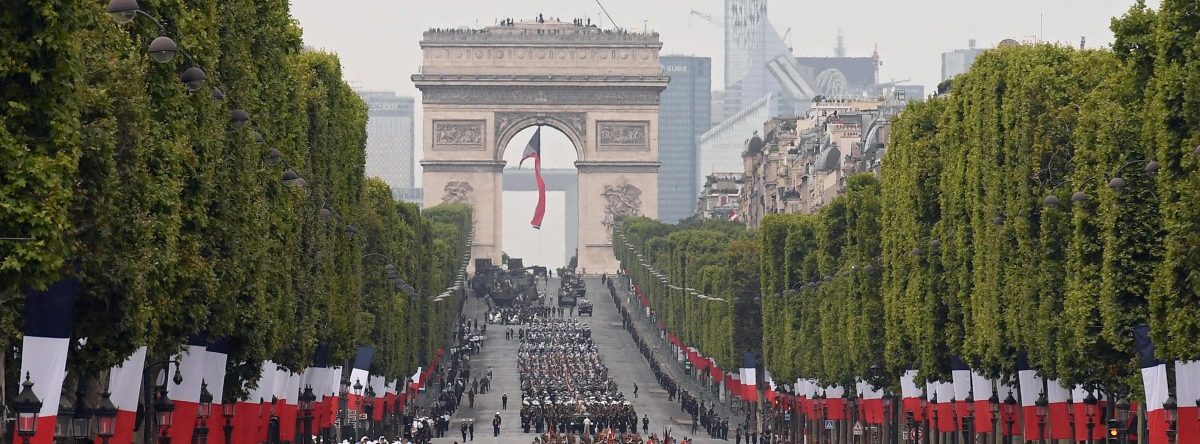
(533, 149)
(49, 320)
(1154, 380)
(186, 392)
(124, 386)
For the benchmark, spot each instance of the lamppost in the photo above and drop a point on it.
(851, 412)
(1010, 416)
(62, 427)
(369, 409)
(1071, 416)
(823, 410)
(924, 418)
(994, 405)
(273, 426)
(27, 405)
(164, 409)
(106, 418)
(83, 415)
(1122, 416)
(228, 408)
(358, 390)
(306, 413)
(202, 413)
(1042, 405)
(1089, 408)
(935, 429)
(1172, 408)
(968, 421)
(888, 430)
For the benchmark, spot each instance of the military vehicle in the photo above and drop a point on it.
(505, 286)
(584, 307)
(570, 288)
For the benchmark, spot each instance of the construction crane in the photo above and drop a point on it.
(709, 18)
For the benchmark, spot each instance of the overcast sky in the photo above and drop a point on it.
(377, 40)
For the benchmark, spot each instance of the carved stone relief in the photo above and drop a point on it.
(458, 134)
(623, 135)
(621, 200)
(574, 122)
(458, 191)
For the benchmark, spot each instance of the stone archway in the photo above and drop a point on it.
(600, 88)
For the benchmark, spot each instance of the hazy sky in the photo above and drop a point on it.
(377, 41)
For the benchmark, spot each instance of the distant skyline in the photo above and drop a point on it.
(378, 39)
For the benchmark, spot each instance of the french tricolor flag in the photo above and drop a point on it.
(49, 320)
(359, 375)
(1078, 396)
(1187, 390)
(981, 388)
(1032, 386)
(214, 375)
(249, 413)
(124, 386)
(533, 149)
(941, 401)
(1154, 380)
(287, 393)
(749, 378)
(1005, 390)
(317, 377)
(1060, 414)
(333, 384)
(872, 403)
(379, 386)
(960, 375)
(911, 395)
(186, 393)
(835, 402)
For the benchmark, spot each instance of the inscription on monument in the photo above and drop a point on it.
(623, 135)
(541, 96)
(458, 134)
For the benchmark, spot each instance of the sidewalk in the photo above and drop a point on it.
(662, 349)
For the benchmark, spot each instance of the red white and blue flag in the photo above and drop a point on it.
(1154, 380)
(534, 149)
(124, 385)
(49, 320)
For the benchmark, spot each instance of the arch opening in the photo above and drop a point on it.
(555, 242)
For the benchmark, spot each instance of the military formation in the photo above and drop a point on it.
(565, 387)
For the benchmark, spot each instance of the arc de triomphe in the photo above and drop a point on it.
(599, 87)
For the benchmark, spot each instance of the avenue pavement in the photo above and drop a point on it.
(617, 349)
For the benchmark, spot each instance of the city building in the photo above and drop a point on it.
(718, 108)
(390, 147)
(720, 198)
(410, 195)
(684, 115)
(959, 61)
(801, 163)
(721, 147)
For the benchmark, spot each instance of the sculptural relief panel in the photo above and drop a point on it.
(458, 134)
(458, 191)
(623, 199)
(619, 135)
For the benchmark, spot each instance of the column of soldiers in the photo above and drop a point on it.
(566, 389)
(702, 416)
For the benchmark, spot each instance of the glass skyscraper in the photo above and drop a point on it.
(390, 148)
(685, 113)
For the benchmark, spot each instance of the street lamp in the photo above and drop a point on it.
(164, 409)
(106, 418)
(369, 408)
(1042, 405)
(228, 408)
(306, 412)
(202, 413)
(83, 416)
(1089, 408)
(935, 427)
(888, 402)
(62, 427)
(968, 420)
(193, 78)
(27, 405)
(1172, 408)
(1010, 415)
